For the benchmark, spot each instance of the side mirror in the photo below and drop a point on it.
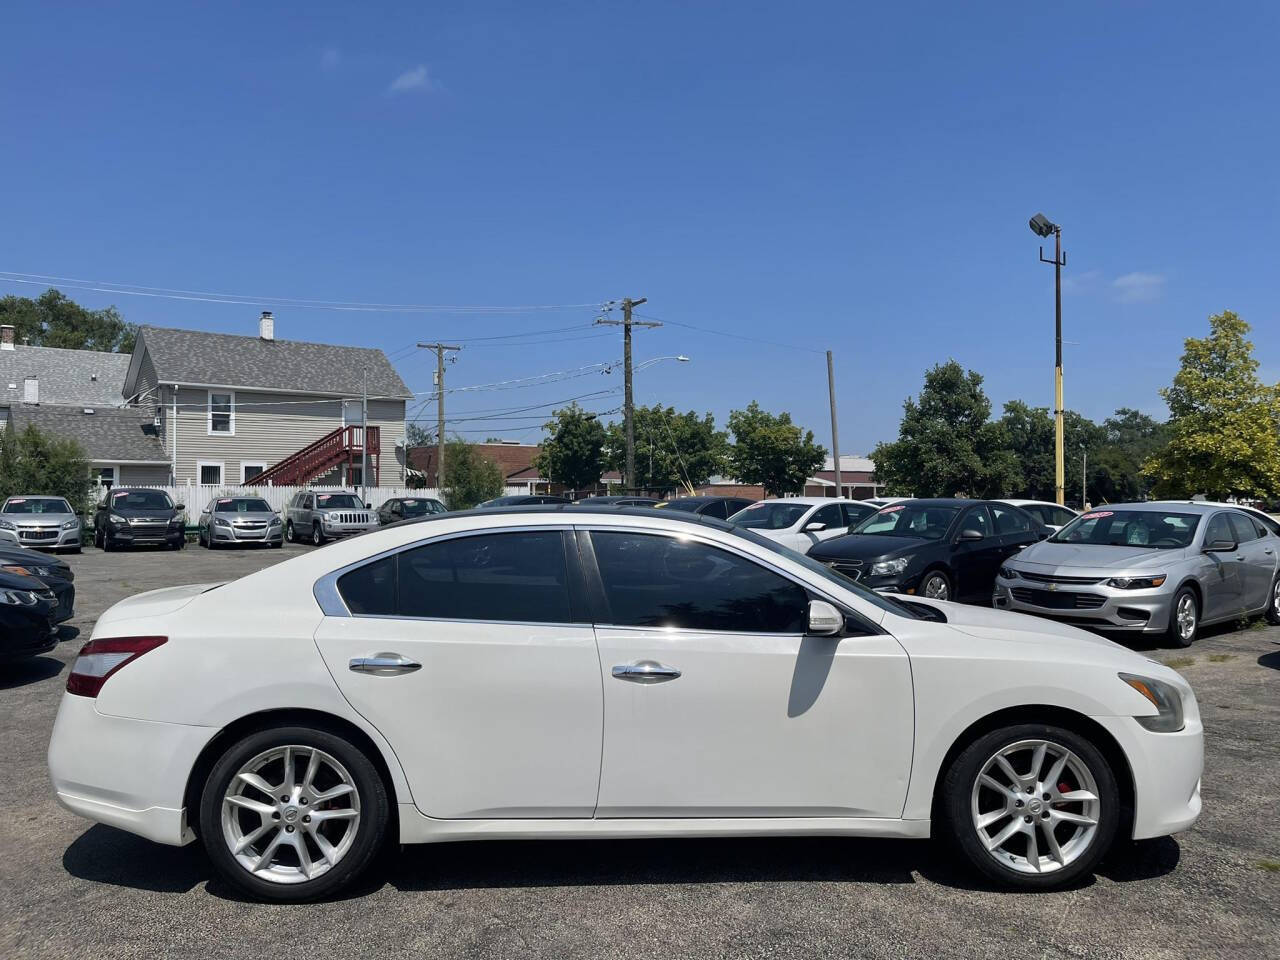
(1219, 546)
(971, 535)
(814, 527)
(824, 619)
(179, 506)
(368, 505)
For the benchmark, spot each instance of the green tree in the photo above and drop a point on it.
(417, 436)
(674, 451)
(1028, 437)
(947, 444)
(1224, 424)
(470, 477)
(1115, 469)
(54, 320)
(32, 461)
(770, 450)
(573, 454)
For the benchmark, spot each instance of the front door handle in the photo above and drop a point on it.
(384, 665)
(645, 671)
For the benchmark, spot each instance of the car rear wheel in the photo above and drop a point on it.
(1273, 611)
(1031, 806)
(1184, 618)
(317, 535)
(293, 814)
(936, 585)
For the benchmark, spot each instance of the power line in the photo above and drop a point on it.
(735, 336)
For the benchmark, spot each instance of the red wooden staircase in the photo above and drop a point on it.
(344, 445)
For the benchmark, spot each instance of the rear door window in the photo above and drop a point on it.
(1010, 520)
(829, 515)
(1243, 528)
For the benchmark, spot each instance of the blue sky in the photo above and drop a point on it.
(820, 175)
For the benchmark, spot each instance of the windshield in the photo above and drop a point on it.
(141, 500)
(338, 501)
(1157, 529)
(37, 505)
(919, 520)
(832, 576)
(770, 515)
(420, 508)
(242, 505)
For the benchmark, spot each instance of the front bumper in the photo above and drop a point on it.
(144, 536)
(1108, 608)
(238, 535)
(65, 592)
(130, 774)
(42, 539)
(26, 635)
(336, 530)
(1166, 770)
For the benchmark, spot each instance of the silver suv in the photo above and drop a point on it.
(317, 517)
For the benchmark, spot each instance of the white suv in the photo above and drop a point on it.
(800, 522)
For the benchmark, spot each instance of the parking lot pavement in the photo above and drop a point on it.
(70, 889)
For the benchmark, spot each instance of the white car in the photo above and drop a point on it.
(1052, 515)
(541, 673)
(879, 502)
(800, 522)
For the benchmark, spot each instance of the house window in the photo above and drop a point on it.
(250, 470)
(104, 477)
(222, 412)
(210, 473)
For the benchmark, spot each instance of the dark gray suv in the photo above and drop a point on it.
(129, 517)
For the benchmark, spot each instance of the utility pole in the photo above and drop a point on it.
(1084, 479)
(628, 407)
(364, 438)
(440, 350)
(835, 430)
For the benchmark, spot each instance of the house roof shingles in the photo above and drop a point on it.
(224, 359)
(66, 376)
(109, 434)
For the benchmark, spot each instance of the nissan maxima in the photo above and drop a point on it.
(1162, 569)
(564, 672)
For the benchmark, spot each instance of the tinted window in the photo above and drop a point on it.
(733, 506)
(688, 504)
(770, 515)
(1060, 516)
(1010, 519)
(653, 581)
(977, 519)
(140, 500)
(856, 512)
(718, 509)
(371, 590)
(1219, 529)
(829, 515)
(1243, 527)
(926, 521)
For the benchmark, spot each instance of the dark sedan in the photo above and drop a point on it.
(407, 508)
(522, 500)
(26, 617)
(618, 501)
(722, 508)
(944, 549)
(55, 574)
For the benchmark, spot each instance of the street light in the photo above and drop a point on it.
(1042, 226)
(1084, 478)
(648, 363)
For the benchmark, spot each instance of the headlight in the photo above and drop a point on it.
(116, 518)
(275, 522)
(8, 525)
(175, 522)
(1164, 697)
(18, 598)
(1137, 583)
(219, 522)
(889, 568)
(71, 525)
(1008, 573)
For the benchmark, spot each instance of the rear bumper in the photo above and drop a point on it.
(130, 774)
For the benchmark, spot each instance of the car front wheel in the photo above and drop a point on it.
(1032, 805)
(936, 585)
(317, 535)
(293, 814)
(1184, 618)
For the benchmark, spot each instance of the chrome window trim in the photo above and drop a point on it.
(325, 590)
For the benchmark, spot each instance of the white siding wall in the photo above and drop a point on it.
(269, 427)
(194, 496)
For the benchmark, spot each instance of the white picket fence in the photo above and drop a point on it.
(196, 495)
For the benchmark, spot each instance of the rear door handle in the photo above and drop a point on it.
(384, 665)
(645, 671)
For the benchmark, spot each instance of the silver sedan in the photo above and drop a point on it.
(1151, 568)
(232, 520)
(46, 523)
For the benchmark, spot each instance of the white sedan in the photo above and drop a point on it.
(800, 522)
(537, 673)
(1052, 515)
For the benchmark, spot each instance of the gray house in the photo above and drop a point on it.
(76, 394)
(233, 409)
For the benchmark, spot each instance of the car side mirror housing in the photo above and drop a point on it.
(824, 619)
(814, 527)
(1219, 546)
(967, 536)
(368, 505)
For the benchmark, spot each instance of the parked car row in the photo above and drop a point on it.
(37, 592)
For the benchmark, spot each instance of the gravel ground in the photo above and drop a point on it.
(71, 889)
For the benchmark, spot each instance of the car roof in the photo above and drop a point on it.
(945, 502)
(1166, 506)
(574, 513)
(808, 501)
(1036, 503)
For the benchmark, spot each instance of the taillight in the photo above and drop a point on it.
(101, 658)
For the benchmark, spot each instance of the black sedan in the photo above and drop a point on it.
(945, 549)
(722, 508)
(406, 508)
(55, 574)
(618, 501)
(26, 617)
(522, 500)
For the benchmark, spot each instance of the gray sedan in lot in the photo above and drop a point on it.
(1151, 568)
(46, 523)
(232, 520)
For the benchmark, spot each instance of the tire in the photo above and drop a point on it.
(288, 532)
(317, 535)
(963, 799)
(97, 538)
(107, 545)
(938, 581)
(356, 840)
(1178, 635)
(1273, 611)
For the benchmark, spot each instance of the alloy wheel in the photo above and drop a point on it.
(1039, 820)
(1186, 615)
(936, 587)
(290, 814)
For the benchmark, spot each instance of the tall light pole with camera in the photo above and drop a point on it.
(1042, 226)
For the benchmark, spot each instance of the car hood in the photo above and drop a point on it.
(153, 603)
(1094, 556)
(45, 519)
(855, 546)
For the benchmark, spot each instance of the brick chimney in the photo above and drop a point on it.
(7, 331)
(267, 326)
